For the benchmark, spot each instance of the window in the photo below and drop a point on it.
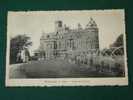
(48, 36)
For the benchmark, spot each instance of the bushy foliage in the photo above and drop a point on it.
(16, 44)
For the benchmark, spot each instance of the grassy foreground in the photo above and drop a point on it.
(56, 68)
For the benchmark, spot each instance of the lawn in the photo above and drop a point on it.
(55, 68)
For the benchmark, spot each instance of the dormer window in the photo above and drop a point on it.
(48, 36)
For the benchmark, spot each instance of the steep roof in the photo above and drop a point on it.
(91, 24)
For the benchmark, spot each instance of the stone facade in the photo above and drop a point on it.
(65, 41)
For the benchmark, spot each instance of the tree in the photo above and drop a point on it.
(17, 43)
(116, 47)
(119, 41)
(118, 44)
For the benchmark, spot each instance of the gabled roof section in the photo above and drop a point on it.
(91, 24)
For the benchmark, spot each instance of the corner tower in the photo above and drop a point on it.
(58, 26)
(93, 33)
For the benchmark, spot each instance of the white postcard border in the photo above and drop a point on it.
(120, 81)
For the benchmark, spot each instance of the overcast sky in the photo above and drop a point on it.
(34, 23)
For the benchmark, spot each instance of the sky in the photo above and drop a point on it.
(35, 23)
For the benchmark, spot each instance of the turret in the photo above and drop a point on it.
(58, 26)
(91, 24)
(92, 29)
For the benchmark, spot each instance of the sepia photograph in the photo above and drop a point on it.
(66, 48)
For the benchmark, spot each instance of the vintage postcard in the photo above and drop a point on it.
(66, 48)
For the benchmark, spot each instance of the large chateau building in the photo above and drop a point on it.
(65, 41)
